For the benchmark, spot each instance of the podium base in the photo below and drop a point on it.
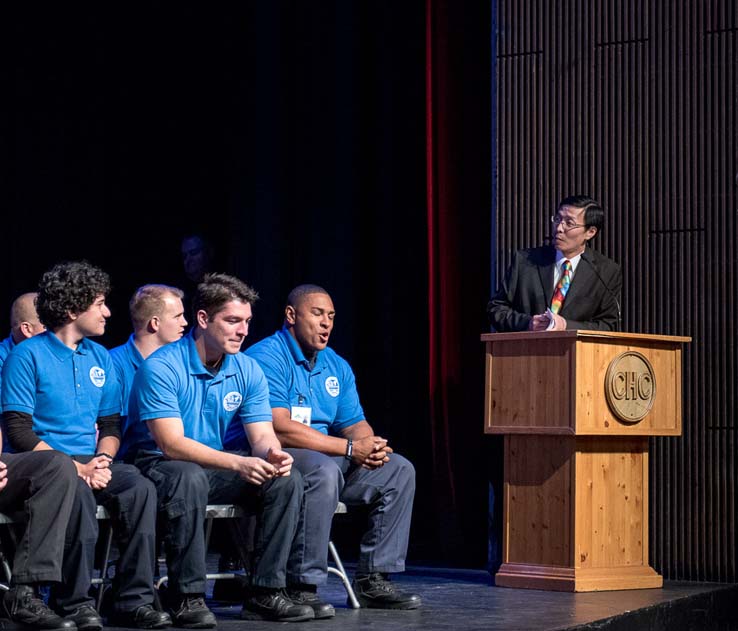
(565, 579)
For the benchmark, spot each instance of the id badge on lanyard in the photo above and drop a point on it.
(301, 414)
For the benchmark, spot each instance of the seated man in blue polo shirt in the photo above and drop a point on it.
(183, 398)
(24, 323)
(60, 392)
(158, 318)
(315, 408)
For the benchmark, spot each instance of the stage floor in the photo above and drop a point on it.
(466, 600)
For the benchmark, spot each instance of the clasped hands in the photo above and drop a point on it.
(277, 464)
(371, 452)
(96, 473)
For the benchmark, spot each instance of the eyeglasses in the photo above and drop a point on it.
(569, 223)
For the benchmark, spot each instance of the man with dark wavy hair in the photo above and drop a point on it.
(60, 392)
(183, 399)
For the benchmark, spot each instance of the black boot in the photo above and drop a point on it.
(273, 604)
(375, 591)
(304, 594)
(86, 618)
(190, 612)
(22, 605)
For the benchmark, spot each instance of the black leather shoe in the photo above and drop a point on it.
(23, 606)
(273, 604)
(307, 595)
(143, 617)
(86, 618)
(192, 613)
(375, 591)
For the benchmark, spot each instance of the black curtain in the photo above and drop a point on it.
(294, 135)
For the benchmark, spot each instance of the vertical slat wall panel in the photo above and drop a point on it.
(635, 102)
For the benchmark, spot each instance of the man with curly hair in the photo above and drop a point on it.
(60, 392)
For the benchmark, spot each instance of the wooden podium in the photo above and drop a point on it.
(576, 409)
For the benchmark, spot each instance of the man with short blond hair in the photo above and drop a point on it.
(158, 318)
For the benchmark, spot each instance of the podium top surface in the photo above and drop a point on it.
(532, 335)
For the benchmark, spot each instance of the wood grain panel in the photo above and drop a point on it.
(537, 500)
(535, 393)
(611, 475)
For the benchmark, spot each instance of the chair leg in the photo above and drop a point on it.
(6, 571)
(104, 567)
(341, 573)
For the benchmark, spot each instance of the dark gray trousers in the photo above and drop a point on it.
(388, 492)
(130, 499)
(185, 489)
(41, 488)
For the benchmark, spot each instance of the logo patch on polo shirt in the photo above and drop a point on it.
(97, 376)
(231, 401)
(331, 385)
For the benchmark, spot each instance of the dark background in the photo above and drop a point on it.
(294, 135)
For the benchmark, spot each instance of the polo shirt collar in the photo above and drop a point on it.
(136, 358)
(60, 350)
(227, 368)
(297, 355)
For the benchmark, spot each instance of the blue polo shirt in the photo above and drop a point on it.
(173, 383)
(5, 347)
(329, 389)
(64, 390)
(127, 360)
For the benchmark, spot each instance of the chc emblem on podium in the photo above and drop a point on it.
(630, 386)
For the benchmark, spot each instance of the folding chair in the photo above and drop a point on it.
(5, 569)
(102, 580)
(106, 533)
(233, 511)
(213, 511)
(339, 569)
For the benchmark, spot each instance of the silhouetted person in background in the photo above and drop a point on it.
(198, 256)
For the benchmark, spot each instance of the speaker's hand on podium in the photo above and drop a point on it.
(559, 323)
(540, 322)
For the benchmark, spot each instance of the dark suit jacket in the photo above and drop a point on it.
(527, 290)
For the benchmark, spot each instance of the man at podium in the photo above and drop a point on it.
(565, 285)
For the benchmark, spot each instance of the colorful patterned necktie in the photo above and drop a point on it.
(562, 287)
